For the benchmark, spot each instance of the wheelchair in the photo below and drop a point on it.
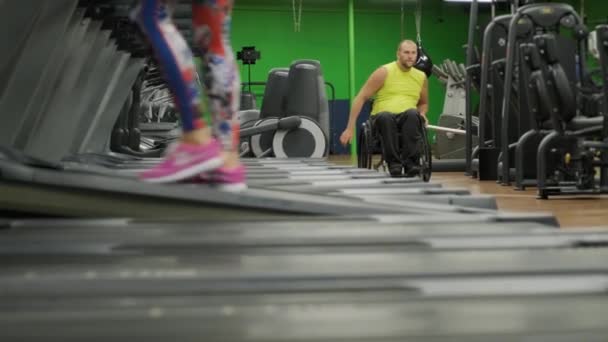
(370, 143)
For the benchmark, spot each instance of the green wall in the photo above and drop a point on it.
(324, 36)
(595, 11)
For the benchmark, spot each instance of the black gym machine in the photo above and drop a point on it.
(523, 111)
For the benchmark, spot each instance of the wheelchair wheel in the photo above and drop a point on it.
(426, 159)
(363, 149)
(370, 144)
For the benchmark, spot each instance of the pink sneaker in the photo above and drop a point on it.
(226, 179)
(185, 161)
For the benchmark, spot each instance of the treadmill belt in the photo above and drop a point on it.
(280, 237)
(313, 317)
(95, 275)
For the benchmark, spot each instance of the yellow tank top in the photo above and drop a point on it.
(401, 90)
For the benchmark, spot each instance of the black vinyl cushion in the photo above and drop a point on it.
(564, 92)
(274, 93)
(544, 100)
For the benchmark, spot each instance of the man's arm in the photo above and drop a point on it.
(371, 86)
(423, 102)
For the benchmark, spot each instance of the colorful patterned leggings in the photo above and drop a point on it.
(211, 21)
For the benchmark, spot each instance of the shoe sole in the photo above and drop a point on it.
(192, 171)
(236, 187)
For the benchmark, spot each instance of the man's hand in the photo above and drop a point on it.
(426, 121)
(346, 136)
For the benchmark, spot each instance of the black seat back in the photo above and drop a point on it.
(557, 76)
(540, 100)
(306, 93)
(274, 93)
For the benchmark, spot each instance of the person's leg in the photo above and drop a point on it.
(196, 150)
(221, 82)
(386, 125)
(410, 124)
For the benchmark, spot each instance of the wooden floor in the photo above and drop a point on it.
(571, 212)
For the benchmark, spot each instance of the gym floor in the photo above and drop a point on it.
(571, 212)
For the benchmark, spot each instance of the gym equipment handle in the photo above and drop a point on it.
(446, 129)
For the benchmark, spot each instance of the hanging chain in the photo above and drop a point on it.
(402, 21)
(418, 21)
(297, 19)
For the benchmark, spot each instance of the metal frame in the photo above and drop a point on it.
(510, 58)
(29, 72)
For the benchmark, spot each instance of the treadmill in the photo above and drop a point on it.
(275, 237)
(348, 316)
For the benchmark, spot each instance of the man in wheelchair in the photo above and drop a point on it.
(398, 112)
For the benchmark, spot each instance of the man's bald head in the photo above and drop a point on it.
(408, 43)
(407, 53)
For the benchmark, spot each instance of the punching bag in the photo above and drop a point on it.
(424, 62)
